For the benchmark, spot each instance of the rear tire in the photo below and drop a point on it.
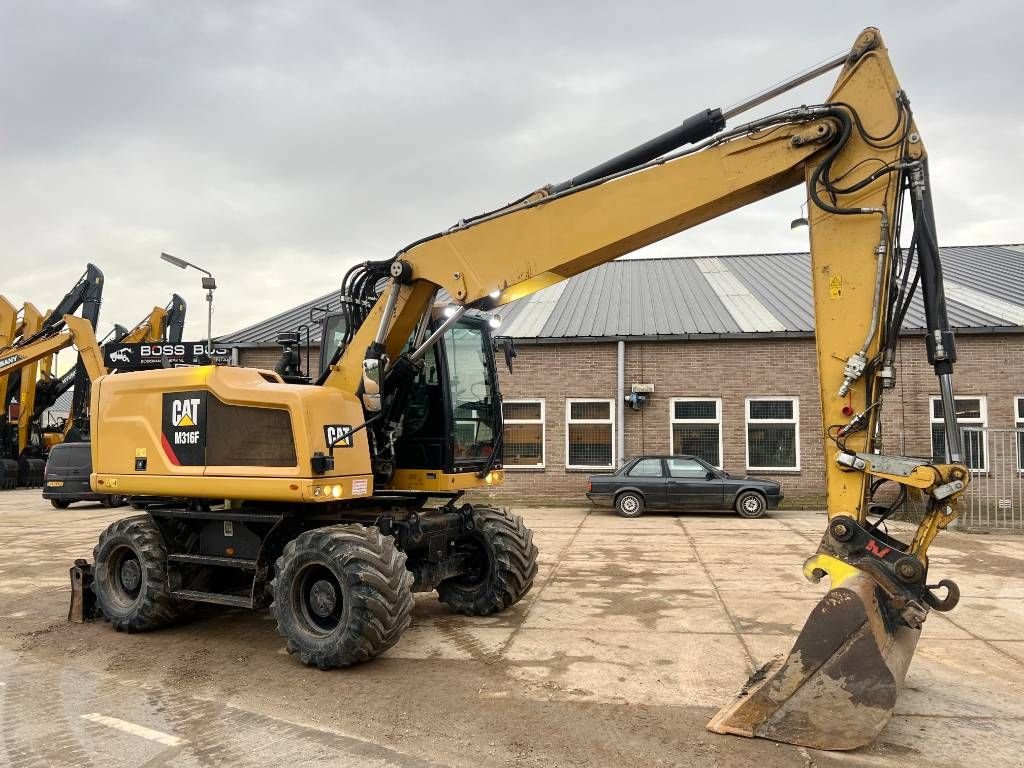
(505, 565)
(60, 503)
(113, 501)
(629, 504)
(130, 577)
(342, 595)
(751, 505)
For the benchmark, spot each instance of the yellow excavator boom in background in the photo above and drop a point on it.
(77, 333)
(408, 408)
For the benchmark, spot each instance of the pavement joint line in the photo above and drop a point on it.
(135, 729)
(946, 617)
(800, 533)
(990, 643)
(31, 663)
(551, 576)
(732, 619)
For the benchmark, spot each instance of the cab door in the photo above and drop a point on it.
(692, 485)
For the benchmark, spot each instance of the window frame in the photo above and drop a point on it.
(795, 421)
(543, 429)
(1018, 423)
(672, 421)
(569, 401)
(972, 422)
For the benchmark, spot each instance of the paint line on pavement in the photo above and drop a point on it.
(135, 729)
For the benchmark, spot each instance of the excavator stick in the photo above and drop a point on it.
(837, 687)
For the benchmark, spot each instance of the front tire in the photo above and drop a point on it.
(130, 578)
(342, 595)
(503, 565)
(630, 504)
(751, 505)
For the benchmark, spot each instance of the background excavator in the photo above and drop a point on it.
(19, 373)
(315, 498)
(29, 377)
(161, 324)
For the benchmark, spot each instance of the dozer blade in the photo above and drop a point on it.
(838, 686)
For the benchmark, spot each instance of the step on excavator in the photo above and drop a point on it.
(333, 501)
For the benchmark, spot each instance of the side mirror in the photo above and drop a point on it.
(709, 475)
(371, 385)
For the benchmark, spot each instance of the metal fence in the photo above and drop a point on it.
(994, 500)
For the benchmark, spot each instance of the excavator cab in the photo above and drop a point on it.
(452, 406)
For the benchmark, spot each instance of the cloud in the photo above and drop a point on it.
(276, 144)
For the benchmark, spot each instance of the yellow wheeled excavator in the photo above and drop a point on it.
(315, 499)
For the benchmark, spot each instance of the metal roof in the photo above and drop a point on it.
(755, 294)
(264, 334)
(715, 297)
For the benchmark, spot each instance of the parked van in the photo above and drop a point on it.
(66, 477)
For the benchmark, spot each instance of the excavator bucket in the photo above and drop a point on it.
(837, 687)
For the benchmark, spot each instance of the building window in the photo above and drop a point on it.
(971, 412)
(589, 434)
(696, 428)
(523, 438)
(1018, 422)
(773, 433)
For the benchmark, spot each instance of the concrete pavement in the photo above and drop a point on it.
(634, 633)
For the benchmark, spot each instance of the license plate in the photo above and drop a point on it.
(55, 483)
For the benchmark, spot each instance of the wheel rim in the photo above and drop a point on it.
(629, 504)
(751, 505)
(317, 599)
(479, 562)
(126, 575)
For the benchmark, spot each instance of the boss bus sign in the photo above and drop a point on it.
(144, 355)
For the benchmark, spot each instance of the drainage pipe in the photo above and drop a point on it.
(620, 416)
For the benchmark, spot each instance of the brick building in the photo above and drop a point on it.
(723, 353)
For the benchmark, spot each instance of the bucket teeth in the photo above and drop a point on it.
(837, 687)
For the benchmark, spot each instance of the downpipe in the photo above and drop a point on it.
(620, 421)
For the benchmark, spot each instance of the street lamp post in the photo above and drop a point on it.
(209, 284)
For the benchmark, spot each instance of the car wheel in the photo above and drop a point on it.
(630, 504)
(751, 505)
(60, 503)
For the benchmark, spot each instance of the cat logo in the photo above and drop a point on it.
(338, 435)
(185, 413)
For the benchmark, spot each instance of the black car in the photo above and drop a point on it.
(678, 483)
(66, 477)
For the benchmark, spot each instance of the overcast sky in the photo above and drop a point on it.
(276, 143)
